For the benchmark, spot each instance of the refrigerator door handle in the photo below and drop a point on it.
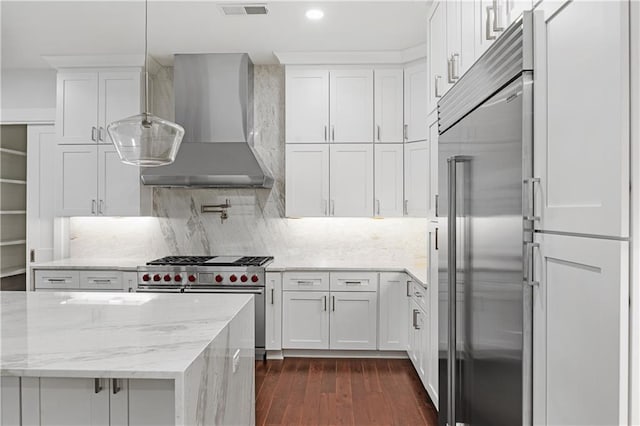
(452, 163)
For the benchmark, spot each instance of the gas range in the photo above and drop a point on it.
(202, 272)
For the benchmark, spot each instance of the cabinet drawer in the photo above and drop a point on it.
(354, 281)
(309, 281)
(421, 295)
(57, 279)
(101, 280)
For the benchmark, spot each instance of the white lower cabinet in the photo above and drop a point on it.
(581, 331)
(305, 320)
(393, 300)
(273, 311)
(81, 280)
(9, 401)
(353, 318)
(100, 401)
(340, 319)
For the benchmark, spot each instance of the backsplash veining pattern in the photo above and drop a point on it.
(256, 223)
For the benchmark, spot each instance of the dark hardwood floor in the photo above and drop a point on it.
(304, 391)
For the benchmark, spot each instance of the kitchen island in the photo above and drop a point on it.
(125, 358)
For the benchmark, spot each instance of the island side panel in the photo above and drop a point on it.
(219, 387)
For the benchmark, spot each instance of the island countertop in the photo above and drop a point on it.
(120, 335)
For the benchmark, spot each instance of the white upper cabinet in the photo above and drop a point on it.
(437, 62)
(416, 179)
(119, 97)
(415, 102)
(351, 180)
(460, 38)
(77, 107)
(76, 180)
(88, 101)
(388, 105)
(120, 192)
(307, 180)
(307, 105)
(389, 179)
(583, 345)
(351, 105)
(582, 136)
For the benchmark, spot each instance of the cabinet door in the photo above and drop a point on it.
(119, 97)
(77, 107)
(101, 280)
(581, 140)
(118, 184)
(307, 180)
(424, 358)
(76, 180)
(580, 310)
(389, 179)
(415, 336)
(273, 311)
(437, 63)
(461, 43)
(353, 320)
(351, 180)
(351, 105)
(9, 401)
(389, 105)
(305, 320)
(415, 102)
(432, 309)
(432, 183)
(307, 105)
(58, 280)
(416, 178)
(74, 402)
(394, 309)
(485, 34)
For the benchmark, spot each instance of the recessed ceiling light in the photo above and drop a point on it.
(314, 14)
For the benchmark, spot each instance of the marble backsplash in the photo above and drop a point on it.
(256, 223)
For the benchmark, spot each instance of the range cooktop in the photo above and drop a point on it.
(211, 261)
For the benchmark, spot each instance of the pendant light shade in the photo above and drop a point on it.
(144, 139)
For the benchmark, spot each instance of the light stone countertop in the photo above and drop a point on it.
(117, 335)
(118, 264)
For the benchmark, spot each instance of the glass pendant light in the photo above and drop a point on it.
(144, 139)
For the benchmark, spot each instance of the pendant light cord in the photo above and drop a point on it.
(146, 61)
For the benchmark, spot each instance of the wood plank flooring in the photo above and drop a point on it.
(313, 391)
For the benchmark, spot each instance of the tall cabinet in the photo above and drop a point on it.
(90, 179)
(581, 256)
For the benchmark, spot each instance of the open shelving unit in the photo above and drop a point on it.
(13, 206)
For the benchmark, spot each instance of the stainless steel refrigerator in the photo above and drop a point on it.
(484, 166)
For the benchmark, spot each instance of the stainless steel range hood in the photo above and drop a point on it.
(214, 103)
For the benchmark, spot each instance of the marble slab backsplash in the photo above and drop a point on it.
(256, 223)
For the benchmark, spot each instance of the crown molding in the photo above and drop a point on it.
(386, 57)
(94, 61)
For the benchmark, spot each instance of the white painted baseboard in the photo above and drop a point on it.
(315, 353)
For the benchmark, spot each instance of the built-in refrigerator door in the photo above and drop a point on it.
(483, 160)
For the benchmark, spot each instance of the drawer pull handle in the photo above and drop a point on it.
(418, 294)
(97, 385)
(353, 282)
(408, 288)
(305, 282)
(100, 281)
(116, 387)
(57, 280)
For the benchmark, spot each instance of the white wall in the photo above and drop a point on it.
(28, 88)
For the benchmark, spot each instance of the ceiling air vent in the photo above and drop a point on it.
(244, 9)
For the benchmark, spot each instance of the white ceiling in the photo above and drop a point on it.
(31, 29)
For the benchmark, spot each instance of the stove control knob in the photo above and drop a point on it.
(167, 277)
(146, 277)
(178, 278)
(192, 278)
(219, 278)
(255, 279)
(233, 278)
(244, 278)
(156, 277)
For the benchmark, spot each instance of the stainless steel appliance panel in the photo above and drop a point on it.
(482, 162)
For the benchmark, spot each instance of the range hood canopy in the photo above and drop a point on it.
(214, 103)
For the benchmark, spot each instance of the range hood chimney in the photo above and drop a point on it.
(214, 103)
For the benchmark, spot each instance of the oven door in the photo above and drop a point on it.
(258, 292)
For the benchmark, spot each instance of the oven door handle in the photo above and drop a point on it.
(158, 290)
(225, 290)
